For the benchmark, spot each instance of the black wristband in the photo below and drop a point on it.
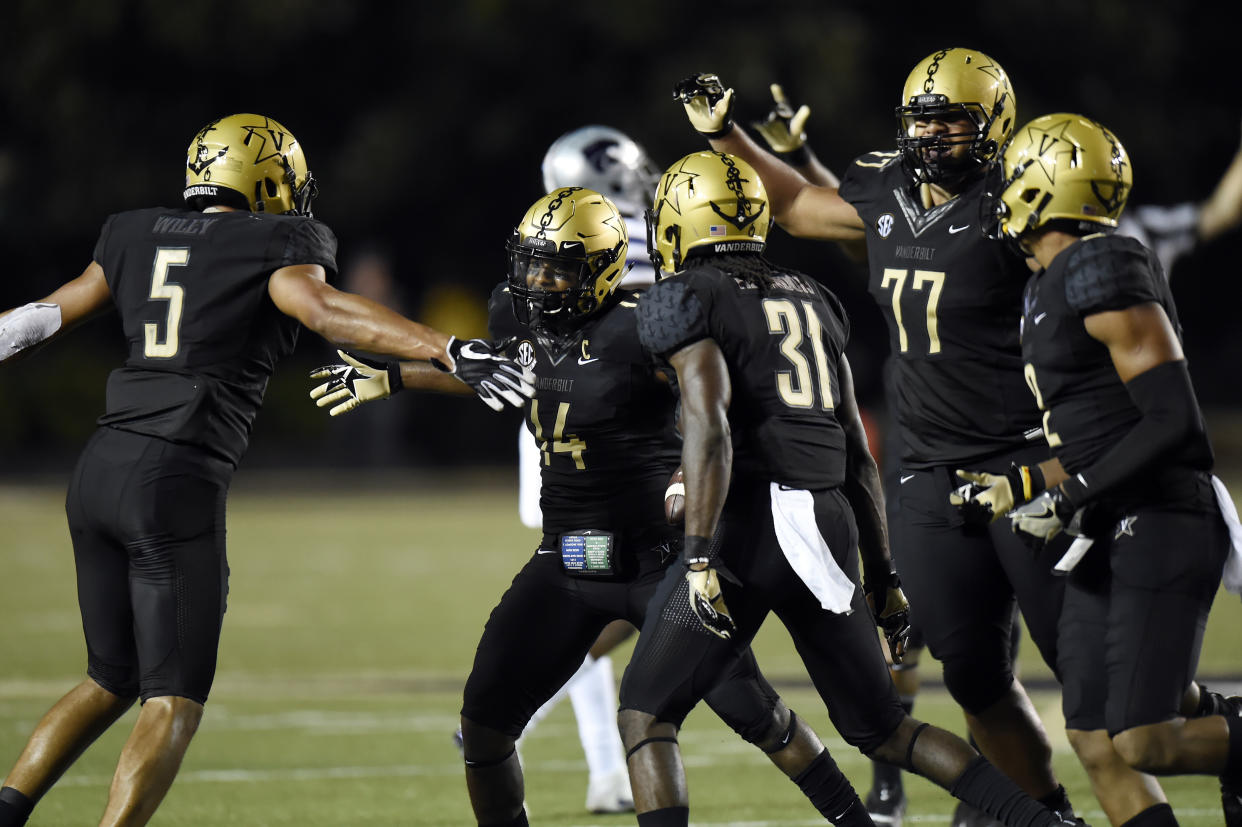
(696, 550)
(799, 157)
(721, 132)
(394, 378)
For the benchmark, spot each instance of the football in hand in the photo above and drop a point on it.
(675, 499)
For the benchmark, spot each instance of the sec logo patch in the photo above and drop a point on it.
(884, 224)
(526, 354)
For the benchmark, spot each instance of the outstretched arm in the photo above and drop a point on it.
(350, 321)
(67, 307)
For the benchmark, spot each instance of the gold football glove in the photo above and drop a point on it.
(358, 380)
(1045, 517)
(986, 497)
(707, 602)
(893, 617)
(709, 106)
(784, 129)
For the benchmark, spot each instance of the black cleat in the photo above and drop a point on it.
(886, 804)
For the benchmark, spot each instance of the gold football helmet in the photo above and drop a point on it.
(1063, 167)
(952, 85)
(249, 162)
(572, 236)
(708, 201)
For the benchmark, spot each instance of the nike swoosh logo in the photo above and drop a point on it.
(907, 478)
(1039, 318)
(582, 361)
(546, 551)
(955, 230)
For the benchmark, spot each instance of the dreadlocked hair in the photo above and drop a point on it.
(753, 268)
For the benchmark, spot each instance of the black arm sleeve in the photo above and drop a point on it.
(1171, 418)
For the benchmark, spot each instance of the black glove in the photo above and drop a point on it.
(985, 497)
(483, 366)
(709, 106)
(356, 381)
(1045, 517)
(891, 610)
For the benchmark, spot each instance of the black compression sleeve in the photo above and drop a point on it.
(1171, 417)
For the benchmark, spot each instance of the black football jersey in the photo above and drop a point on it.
(602, 418)
(782, 338)
(1087, 408)
(204, 336)
(952, 300)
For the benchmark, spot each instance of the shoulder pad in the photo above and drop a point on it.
(501, 322)
(1109, 272)
(310, 242)
(670, 316)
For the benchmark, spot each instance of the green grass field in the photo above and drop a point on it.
(353, 615)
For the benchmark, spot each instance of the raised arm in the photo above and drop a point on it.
(801, 208)
(1222, 211)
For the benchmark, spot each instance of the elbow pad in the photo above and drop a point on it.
(27, 326)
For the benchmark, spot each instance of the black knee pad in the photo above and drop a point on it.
(977, 684)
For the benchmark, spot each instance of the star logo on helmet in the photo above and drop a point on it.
(267, 140)
(1049, 146)
(683, 178)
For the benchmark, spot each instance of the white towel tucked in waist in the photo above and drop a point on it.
(793, 514)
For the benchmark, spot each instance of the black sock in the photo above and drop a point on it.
(1160, 815)
(831, 793)
(665, 817)
(1058, 800)
(15, 808)
(1232, 776)
(986, 788)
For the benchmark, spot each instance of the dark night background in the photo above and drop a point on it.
(425, 124)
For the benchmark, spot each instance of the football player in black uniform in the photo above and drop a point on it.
(1103, 358)
(210, 296)
(781, 493)
(603, 419)
(952, 302)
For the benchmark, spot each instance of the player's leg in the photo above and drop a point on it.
(676, 659)
(1159, 603)
(843, 657)
(173, 519)
(1123, 793)
(964, 600)
(86, 711)
(532, 643)
(593, 693)
(675, 662)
